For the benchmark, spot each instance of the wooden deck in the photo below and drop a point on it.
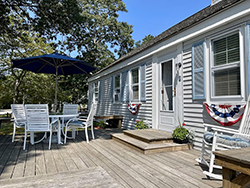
(128, 167)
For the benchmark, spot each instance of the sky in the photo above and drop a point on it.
(155, 16)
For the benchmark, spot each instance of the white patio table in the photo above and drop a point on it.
(59, 117)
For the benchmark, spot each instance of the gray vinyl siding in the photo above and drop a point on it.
(106, 107)
(193, 110)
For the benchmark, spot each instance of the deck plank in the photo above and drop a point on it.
(158, 171)
(127, 168)
(49, 161)
(40, 160)
(71, 165)
(137, 167)
(100, 160)
(21, 162)
(59, 162)
(30, 168)
(11, 162)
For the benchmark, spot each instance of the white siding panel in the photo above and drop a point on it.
(193, 110)
(106, 107)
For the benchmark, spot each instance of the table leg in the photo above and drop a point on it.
(228, 176)
(59, 132)
(119, 124)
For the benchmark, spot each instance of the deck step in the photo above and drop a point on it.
(151, 136)
(148, 148)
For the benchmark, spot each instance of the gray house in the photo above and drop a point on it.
(203, 58)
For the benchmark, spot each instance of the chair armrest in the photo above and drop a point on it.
(80, 119)
(221, 129)
(226, 131)
(54, 121)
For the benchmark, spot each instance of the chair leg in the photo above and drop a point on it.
(92, 131)
(50, 137)
(86, 134)
(73, 133)
(14, 132)
(65, 135)
(24, 143)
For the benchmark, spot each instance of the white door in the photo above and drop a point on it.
(166, 98)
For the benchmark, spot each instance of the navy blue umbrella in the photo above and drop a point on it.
(54, 64)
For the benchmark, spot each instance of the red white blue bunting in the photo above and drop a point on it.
(133, 108)
(226, 115)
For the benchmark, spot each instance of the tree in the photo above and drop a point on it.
(99, 30)
(48, 17)
(16, 84)
(144, 40)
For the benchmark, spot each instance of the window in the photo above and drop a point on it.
(96, 92)
(135, 84)
(117, 89)
(226, 66)
(166, 86)
(198, 79)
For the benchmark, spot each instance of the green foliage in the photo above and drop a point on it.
(144, 40)
(180, 133)
(141, 125)
(102, 124)
(31, 28)
(20, 86)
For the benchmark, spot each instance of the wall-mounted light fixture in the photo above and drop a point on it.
(178, 65)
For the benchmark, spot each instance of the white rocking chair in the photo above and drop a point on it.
(82, 123)
(223, 138)
(19, 117)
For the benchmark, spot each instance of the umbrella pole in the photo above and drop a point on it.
(55, 102)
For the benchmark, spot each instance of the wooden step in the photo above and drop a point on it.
(90, 177)
(151, 136)
(147, 148)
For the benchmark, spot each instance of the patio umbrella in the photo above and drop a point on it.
(54, 64)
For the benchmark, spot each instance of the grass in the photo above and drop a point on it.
(7, 129)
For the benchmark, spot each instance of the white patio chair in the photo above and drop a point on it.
(82, 123)
(37, 116)
(224, 138)
(69, 109)
(19, 117)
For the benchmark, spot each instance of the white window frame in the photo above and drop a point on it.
(165, 61)
(137, 84)
(115, 89)
(96, 94)
(231, 65)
